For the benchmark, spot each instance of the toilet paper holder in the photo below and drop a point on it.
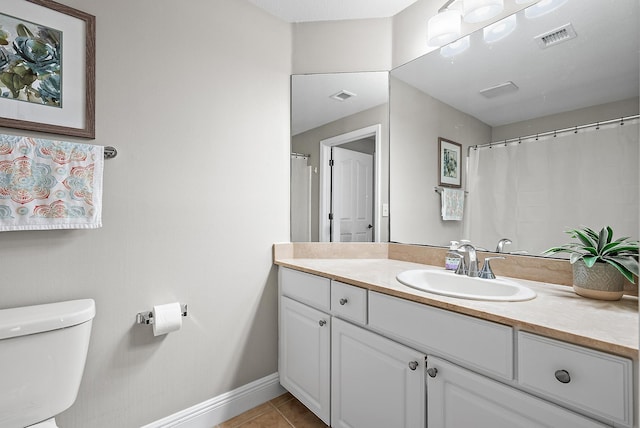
(147, 317)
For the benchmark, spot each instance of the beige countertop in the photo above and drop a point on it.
(556, 312)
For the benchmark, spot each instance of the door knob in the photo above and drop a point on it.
(343, 301)
(413, 365)
(322, 323)
(370, 226)
(432, 371)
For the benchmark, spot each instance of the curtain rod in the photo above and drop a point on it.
(574, 129)
(300, 154)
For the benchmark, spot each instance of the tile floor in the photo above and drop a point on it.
(281, 412)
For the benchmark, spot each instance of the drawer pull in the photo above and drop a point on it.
(563, 376)
(322, 323)
(413, 365)
(432, 371)
(343, 301)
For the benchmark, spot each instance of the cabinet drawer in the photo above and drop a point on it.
(349, 302)
(477, 344)
(592, 381)
(307, 288)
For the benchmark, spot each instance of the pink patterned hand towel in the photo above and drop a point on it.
(46, 184)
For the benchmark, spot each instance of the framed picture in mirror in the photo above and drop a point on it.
(449, 163)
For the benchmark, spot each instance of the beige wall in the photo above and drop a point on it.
(195, 96)
(568, 119)
(309, 142)
(416, 122)
(342, 46)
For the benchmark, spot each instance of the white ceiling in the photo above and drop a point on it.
(312, 104)
(331, 10)
(600, 65)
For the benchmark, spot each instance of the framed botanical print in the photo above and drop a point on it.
(47, 68)
(449, 163)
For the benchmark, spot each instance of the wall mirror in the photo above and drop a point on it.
(341, 117)
(526, 83)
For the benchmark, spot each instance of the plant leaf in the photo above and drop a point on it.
(590, 232)
(585, 237)
(623, 269)
(627, 262)
(602, 239)
(617, 248)
(590, 260)
(574, 257)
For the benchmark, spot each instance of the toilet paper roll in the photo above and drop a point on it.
(166, 318)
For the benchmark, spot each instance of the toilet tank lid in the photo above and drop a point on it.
(40, 318)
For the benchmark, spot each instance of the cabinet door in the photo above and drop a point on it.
(376, 383)
(458, 398)
(304, 353)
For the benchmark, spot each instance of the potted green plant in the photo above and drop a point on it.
(600, 263)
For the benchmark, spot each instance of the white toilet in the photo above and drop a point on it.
(43, 350)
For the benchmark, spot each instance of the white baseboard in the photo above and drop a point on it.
(225, 406)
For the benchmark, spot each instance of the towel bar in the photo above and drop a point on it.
(110, 152)
(439, 189)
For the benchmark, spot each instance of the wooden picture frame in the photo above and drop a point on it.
(58, 93)
(449, 163)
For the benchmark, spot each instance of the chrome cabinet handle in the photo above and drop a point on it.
(432, 371)
(343, 301)
(563, 376)
(322, 323)
(413, 365)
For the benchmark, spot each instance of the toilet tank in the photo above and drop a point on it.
(43, 350)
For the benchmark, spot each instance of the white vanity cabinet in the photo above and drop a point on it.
(593, 382)
(304, 348)
(356, 358)
(375, 382)
(345, 374)
(459, 398)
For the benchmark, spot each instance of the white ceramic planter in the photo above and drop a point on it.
(601, 281)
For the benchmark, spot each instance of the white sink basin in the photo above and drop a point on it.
(448, 283)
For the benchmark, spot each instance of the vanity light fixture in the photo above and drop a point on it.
(444, 27)
(542, 8)
(456, 47)
(500, 29)
(474, 11)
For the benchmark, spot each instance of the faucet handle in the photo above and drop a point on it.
(462, 266)
(486, 271)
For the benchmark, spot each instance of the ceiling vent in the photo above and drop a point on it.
(553, 37)
(343, 95)
(501, 89)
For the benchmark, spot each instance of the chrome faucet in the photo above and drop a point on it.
(486, 272)
(501, 244)
(469, 261)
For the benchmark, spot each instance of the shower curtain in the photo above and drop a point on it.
(300, 199)
(532, 191)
